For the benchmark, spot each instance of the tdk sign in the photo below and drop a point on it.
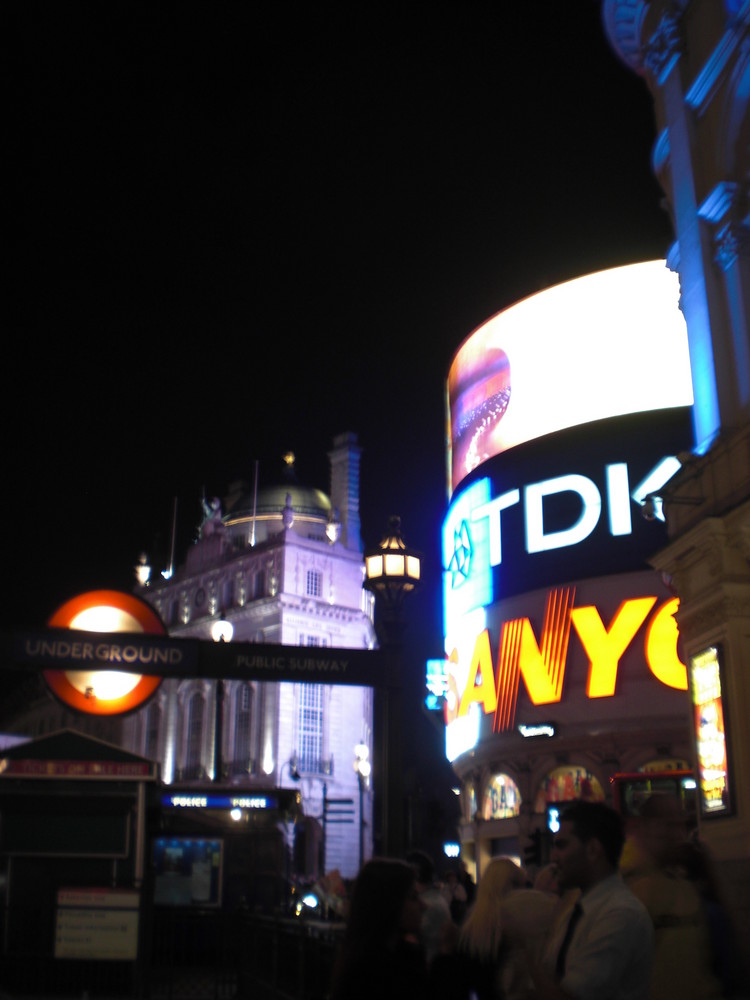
(538, 539)
(561, 512)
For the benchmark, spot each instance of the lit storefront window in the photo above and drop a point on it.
(671, 764)
(710, 734)
(502, 798)
(470, 801)
(565, 784)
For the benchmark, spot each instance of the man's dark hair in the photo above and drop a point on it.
(596, 820)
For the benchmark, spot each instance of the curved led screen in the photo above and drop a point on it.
(603, 345)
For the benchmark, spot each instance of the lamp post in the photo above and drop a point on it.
(392, 570)
(221, 631)
(362, 767)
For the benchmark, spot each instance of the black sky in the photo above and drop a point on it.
(238, 229)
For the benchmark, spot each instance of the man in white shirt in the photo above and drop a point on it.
(604, 951)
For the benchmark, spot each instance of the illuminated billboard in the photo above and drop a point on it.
(710, 732)
(601, 346)
(518, 522)
(600, 649)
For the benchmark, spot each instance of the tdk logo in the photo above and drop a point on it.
(476, 515)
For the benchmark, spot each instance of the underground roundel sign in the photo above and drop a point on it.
(95, 689)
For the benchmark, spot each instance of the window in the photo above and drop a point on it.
(565, 784)
(196, 710)
(310, 728)
(313, 640)
(314, 583)
(153, 724)
(501, 799)
(243, 708)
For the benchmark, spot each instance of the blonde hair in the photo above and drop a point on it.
(481, 932)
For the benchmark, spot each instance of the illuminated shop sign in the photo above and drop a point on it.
(541, 663)
(502, 798)
(710, 734)
(566, 784)
(87, 688)
(601, 346)
(555, 513)
(546, 729)
(485, 669)
(189, 801)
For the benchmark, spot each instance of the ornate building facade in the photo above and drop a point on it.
(694, 56)
(282, 565)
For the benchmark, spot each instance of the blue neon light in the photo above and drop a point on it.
(181, 800)
(467, 573)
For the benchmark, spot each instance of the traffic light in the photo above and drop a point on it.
(533, 852)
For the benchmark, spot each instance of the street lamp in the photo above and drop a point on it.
(362, 767)
(392, 570)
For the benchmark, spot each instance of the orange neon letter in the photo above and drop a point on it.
(661, 647)
(604, 647)
(543, 669)
(481, 663)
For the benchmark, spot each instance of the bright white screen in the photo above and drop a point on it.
(603, 345)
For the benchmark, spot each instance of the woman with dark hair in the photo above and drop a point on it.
(380, 955)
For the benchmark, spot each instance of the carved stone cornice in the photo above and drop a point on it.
(623, 20)
(664, 45)
(712, 617)
(730, 242)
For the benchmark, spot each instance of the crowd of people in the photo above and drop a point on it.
(607, 919)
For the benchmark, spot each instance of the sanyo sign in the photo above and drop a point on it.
(486, 664)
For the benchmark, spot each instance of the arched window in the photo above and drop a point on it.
(470, 802)
(309, 750)
(194, 742)
(565, 784)
(152, 728)
(243, 711)
(501, 798)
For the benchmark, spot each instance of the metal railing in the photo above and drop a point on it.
(200, 955)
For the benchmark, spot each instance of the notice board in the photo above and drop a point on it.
(94, 923)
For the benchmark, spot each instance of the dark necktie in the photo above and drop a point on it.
(569, 931)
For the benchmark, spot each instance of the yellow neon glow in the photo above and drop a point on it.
(603, 646)
(484, 692)
(542, 665)
(661, 647)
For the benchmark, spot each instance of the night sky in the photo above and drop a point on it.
(237, 229)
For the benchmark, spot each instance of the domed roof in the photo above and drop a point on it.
(272, 499)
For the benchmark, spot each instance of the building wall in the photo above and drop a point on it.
(695, 60)
(296, 587)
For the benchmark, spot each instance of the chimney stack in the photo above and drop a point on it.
(344, 461)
